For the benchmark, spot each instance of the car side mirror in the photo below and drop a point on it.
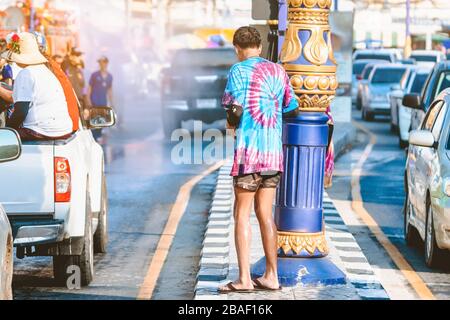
(396, 87)
(413, 101)
(10, 145)
(101, 117)
(422, 138)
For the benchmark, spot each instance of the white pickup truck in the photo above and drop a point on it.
(10, 150)
(56, 200)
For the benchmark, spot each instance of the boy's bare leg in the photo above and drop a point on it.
(264, 200)
(242, 211)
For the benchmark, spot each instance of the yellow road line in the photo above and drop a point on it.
(165, 242)
(358, 206)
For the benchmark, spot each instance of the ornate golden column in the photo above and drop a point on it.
(307, 54)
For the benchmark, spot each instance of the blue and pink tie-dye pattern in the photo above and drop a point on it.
(263, 90)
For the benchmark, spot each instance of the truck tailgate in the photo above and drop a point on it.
(27, 185)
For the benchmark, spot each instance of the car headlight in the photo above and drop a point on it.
(447, 187)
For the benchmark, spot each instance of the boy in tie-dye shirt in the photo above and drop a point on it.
(263, 90)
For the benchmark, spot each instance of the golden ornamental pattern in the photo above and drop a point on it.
(307, 54)
(323, 4)
(307, 16)
(316, 49)
(298, 243)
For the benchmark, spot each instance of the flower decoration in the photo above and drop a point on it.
(14, 43)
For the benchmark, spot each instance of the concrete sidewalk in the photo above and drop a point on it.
(219, 262)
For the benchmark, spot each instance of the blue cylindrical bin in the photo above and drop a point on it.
(300, 196)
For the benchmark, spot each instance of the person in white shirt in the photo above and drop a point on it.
(40, 106)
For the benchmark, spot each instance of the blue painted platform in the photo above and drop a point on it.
(303, 271)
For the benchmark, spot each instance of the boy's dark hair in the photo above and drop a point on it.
(247, 37)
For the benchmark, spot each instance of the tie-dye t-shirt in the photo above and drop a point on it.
(263, 90)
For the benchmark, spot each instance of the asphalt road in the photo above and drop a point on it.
(143, 184)
(383, 194)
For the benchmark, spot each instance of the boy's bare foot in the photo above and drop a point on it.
(269, 284)
(237, 286)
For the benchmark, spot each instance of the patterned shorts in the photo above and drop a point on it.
(255, 181)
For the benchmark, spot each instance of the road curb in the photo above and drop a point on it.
(344, 136)
(215, 264)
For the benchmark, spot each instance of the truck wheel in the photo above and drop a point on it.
(358, 103)
(366, 115)
(101, 235)
(85, 261)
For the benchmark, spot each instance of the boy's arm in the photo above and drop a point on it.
(290, 102)
(234, 92)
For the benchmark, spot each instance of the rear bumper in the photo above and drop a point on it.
(37, 232)
(379, 108)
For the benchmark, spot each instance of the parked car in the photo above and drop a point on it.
(364, 78)
(375, 99)
(358, 69)
(377, 54)
(427, 58)
(416, 85)
(427, 182)
(396, 94)
(193, 86)
(10, 150)
(438, 81)
(56, 199)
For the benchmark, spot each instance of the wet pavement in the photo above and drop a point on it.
(143, 184)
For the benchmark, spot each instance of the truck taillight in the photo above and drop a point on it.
(62, 180)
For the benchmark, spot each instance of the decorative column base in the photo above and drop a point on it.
(302, 245)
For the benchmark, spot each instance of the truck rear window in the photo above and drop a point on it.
(373, 56)
(388, 75)
(424, 58)
(204, 58)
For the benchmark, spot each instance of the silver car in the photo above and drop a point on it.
(358, 69)
(10, 149)
(427, 182)
(401, 115)
(363, 80)
(396, 95)
(375, 100)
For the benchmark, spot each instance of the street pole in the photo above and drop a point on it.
(408, 41)
(282, 23)
(307, 56)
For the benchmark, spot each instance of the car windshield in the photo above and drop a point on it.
(204, 58)
(367, 72)
(424, 58)
(443, 83)
(373, 56)
(388, 75)
(419, 83)
(358, 67)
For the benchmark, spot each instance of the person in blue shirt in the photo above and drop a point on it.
(100, 90)
(6, 73)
